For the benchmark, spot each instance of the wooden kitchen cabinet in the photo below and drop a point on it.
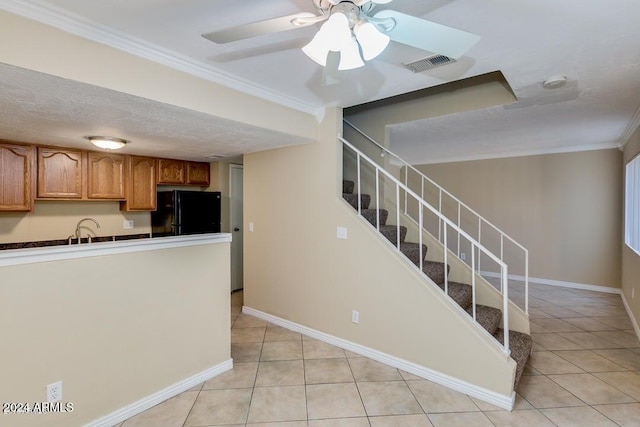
(105, 176)
(140, 184)
(182, 172)
(60, 173)
(171, 172)
(198, 173)
(16, 177)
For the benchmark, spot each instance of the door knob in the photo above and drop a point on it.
(236, 229)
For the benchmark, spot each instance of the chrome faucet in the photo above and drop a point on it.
(79, 232)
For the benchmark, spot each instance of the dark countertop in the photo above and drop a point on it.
(61, 242)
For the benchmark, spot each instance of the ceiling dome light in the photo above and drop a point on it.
(555, 82)
(371, 40)
(107, 142)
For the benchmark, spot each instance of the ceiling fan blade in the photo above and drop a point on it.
(259, 28)
(427, 35)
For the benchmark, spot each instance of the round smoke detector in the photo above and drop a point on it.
(554, 82)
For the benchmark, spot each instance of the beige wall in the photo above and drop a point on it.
(51, 220)
(114, 329)
(296, 269)
(630, 259)
(565, 208)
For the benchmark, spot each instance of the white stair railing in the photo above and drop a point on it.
(483, 229)
(382, 175)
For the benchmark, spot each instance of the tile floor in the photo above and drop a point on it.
(584, 371)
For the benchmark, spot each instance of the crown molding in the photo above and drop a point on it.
(632, 127)
(77, 25)
(539, 152)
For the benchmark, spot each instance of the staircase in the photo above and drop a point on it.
(487, 317)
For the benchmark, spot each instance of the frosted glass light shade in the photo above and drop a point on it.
(350, 56)
(107, 142)
(337, 32)
(333, 35)
(372, 41)
(317, 49)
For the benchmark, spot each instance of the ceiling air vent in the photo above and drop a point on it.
(429, 63)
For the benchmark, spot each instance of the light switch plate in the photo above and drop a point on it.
(342, 232)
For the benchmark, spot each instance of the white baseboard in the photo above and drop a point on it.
(500, 400)
(634, 322)
(559, 283)
(143, 404)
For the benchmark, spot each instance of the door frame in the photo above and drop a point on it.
(234, 167)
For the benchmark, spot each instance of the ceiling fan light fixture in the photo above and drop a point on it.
(371, 40)
(337, 32)
(107, 142)
(317, 49)
(350, 56)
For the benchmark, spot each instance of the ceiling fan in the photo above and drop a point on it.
(353, 29)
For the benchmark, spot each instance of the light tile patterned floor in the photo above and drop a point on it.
(585, 371)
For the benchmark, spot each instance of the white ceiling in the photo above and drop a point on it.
(596, 43)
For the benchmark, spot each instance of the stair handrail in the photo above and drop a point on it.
(460, 203)
(503, 266)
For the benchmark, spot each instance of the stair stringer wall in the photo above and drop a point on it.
(486, 293)
(429, 291)
(296, 269)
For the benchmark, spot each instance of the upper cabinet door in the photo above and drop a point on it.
(198, 173)
(171, 171)
(105, 174)
(16, 181)
(140, 184)
(59, 173)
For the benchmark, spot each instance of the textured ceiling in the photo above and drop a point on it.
(593, 42)
(44, 109)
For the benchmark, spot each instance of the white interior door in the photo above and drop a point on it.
(235, 196)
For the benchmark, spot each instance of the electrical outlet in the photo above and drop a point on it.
(54, 392)
(342, 232)
(463, 256)
(355, 316)
(127, 224)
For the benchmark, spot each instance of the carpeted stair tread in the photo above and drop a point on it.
(365, 200)
(520, 345)
(460, 293)
(371, 215)
(435, 271)
(348, 186)
(391, 233)
(488, 317)
(412, 251)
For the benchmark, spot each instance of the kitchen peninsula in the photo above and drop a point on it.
(124, 325)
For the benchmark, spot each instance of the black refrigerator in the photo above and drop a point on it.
(186, 212)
